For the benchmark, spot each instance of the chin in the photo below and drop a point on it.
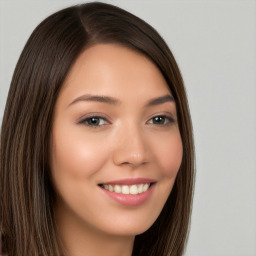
(130, 227)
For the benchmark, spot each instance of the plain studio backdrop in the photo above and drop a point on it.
(214, 43)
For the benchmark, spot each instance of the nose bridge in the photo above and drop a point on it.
(130, 145)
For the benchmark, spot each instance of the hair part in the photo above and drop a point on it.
(26, 193)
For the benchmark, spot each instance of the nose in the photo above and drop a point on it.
(130, 147)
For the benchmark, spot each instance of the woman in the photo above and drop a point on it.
(96, 141)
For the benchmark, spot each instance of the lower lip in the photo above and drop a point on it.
(130, 200)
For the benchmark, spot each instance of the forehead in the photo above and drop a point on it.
(113, 69)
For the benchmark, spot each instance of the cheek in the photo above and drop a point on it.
(170, 156)
(75, 155)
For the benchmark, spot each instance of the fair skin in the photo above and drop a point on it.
(115, 122)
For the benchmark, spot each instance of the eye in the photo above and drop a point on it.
(161, 120)
(94, 121)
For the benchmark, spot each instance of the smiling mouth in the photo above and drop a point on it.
(134, 189)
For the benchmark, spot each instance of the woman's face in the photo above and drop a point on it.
(116, 145)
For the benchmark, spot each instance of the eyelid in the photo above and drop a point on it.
(87, 117)
(169, 117)
(82, 120)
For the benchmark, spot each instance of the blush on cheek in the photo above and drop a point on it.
(171, 160)
(77, 158)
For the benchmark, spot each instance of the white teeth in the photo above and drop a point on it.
(145, 187)
(117, 189)
(133, 190)
(140, 188)
(128, 189)
(125, 190)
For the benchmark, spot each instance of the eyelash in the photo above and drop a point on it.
(86, 121)
(167, 121)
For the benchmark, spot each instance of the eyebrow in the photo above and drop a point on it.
(97, 98)
(161, 100)
(114, 101)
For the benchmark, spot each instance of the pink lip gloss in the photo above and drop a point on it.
(130, 200)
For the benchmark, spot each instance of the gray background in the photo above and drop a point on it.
(214, 44)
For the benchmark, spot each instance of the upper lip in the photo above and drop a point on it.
(130, 181)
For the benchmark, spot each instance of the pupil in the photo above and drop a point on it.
(94, 121)
(159, 120)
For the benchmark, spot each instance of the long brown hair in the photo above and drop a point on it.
(26, 192)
